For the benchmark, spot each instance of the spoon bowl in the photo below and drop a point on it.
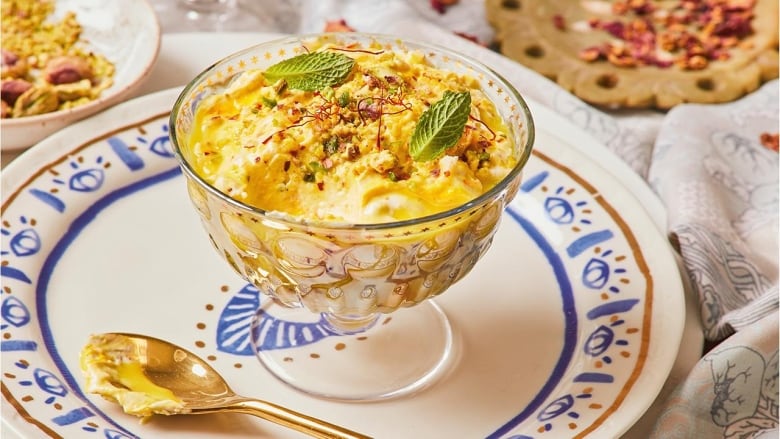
(200, 389)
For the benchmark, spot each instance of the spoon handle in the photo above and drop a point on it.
(292, 419)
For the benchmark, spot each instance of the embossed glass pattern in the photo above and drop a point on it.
(351, 272)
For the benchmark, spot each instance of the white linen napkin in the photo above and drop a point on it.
(731, 393)
(720, 187)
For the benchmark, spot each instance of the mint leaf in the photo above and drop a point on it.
(311, 71)
(440, 126)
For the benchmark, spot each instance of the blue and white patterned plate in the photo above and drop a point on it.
(568, 327)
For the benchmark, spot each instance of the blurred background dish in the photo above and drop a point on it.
(126, 33)
(228, 15)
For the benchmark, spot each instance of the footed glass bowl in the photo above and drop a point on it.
(340, 278)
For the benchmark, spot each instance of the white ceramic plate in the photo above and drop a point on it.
(127, 33)
(569, 326)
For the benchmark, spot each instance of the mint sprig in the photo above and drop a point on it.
(440, 126)
(311, 71)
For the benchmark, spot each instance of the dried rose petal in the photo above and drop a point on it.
(338, 26)
(559, 22)
(734, 26)
(696, 62)
(614, 28)
(689, 33)
(441, 6)
(771, 141)
(642, 7)
(590, 54)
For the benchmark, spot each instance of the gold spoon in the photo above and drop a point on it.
(202, 390)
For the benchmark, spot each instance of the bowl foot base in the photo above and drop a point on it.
(398, 354)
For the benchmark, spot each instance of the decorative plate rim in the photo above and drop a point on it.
(40, 155)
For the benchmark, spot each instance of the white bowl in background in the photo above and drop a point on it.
(127, 32)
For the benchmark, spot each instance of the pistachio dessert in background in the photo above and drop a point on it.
(46, 66)
(365, 136)
(643, 53)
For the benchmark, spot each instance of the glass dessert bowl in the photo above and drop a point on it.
(345, 264)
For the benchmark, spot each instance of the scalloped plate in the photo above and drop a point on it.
(569, 326)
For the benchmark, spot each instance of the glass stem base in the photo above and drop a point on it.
(378, 357)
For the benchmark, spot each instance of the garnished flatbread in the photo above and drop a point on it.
(641, 53)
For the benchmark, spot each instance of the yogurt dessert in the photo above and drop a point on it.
(351, 175)
(112, 369)
(357, 135)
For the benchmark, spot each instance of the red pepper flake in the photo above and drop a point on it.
(771, 141)
(321, 185)
(559, 22)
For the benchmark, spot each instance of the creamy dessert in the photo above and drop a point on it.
(363, 136)
(112, 369)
